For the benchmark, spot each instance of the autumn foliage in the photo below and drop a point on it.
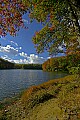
(11, 12)
(60, 21)
(64, 63)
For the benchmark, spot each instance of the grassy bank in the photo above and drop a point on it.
(57, 99)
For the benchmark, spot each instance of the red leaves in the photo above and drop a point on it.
(11, 12)
(51, 28)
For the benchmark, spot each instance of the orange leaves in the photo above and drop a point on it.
(51, 28)
(51, 16)
(1, 31)
(35, 5)
(36, 33)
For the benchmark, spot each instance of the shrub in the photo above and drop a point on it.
(74, 70)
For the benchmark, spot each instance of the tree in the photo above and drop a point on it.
(61, 25)
(60, 21)
(11, 12)
(63, 63)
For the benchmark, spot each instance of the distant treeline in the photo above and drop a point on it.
(65, 63)
(28, 66)
(4, 64)
(8, 65)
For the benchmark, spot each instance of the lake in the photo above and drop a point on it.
(15, 80)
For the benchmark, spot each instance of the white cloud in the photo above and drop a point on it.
(26, 21)
(60, 48)
(20, 48)
(5, 57)
(31, 59)
(9, 50)
(3, 37)
(14, 43)
(21, 61)
(48, 57)
(23, 54)
(35, 59)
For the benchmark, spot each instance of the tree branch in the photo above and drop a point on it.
(74, 15)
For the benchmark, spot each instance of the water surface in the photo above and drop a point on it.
(13, 81)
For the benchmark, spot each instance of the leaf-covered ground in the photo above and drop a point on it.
(54, 100)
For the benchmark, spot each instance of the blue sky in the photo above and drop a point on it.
(20, 49)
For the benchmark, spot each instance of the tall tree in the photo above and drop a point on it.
(60, 19)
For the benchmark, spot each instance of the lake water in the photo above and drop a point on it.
(13, 81)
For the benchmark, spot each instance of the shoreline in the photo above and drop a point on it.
(6, 96)
(62, 94)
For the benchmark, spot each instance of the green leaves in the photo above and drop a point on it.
(70, 63)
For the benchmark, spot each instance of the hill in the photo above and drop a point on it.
(4, 64)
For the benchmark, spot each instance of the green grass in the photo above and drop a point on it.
(55, 99)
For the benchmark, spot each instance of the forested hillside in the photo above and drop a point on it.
(4, 64)
(69, 63)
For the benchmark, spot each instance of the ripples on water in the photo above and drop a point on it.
(13, 81)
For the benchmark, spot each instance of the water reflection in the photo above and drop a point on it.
(13, 81)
